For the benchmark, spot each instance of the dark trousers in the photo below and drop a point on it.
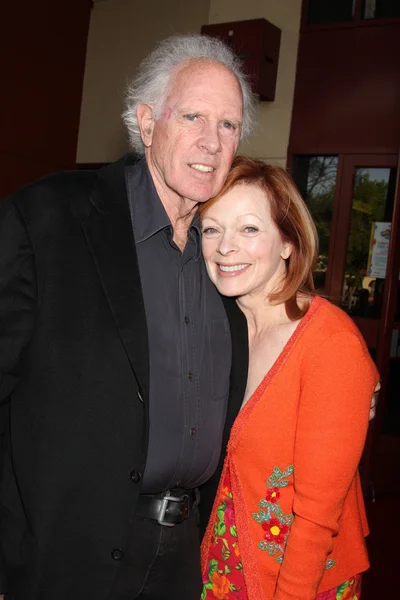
(161, 563)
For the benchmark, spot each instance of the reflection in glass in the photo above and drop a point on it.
(373, 197)
(315, 177)
(329, 11)
(380, 9)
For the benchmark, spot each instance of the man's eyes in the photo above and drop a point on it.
(229, 125)
(191, 117)
(198, 119)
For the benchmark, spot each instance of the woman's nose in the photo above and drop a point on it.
(227, 244)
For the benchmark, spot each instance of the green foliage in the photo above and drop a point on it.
(212, 567)
(368, 206)
(220, 529)
(233, 531)
(271, 547)
(261, 516)
(320, 194)
(277, 477)
(225, 553)
(329, 564)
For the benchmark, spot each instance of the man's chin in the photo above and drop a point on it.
(201, 194)
(201, 189)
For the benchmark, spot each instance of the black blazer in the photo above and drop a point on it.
(74, 375)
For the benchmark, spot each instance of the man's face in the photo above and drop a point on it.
(191, 146)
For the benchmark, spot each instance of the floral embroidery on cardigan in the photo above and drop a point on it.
(329, 564)
(275, 523)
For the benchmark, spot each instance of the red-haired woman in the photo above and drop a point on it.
(288, 522)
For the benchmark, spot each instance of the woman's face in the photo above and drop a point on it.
(242, 247)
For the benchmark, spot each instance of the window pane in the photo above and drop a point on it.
(370, 225)
(329, 11)
(315, 177)
(380, 9)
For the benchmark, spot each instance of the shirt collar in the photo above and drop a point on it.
(148, 213)
(195, 228)
(147, 210)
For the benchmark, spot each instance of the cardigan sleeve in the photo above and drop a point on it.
(338, 379)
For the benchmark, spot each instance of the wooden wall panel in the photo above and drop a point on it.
(17, 170)
(347, 95)
(42, 60)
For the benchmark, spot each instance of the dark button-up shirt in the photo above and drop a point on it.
(189, 345)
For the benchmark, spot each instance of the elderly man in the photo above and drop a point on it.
(119, 362)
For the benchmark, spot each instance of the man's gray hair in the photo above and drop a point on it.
(152, 80)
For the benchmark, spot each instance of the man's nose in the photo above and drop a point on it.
(210, 138)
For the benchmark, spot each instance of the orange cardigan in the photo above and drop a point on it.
(293, 454)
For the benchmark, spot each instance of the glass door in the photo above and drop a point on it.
(355, 203)
(362, 239)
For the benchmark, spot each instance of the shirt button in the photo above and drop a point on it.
(190, 375)
(135, 476)
(187, 320)
(117, 554)
(193, 432)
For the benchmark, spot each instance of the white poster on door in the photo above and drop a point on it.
(379, 249)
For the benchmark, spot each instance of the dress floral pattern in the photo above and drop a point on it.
(224, 579)
(349, 590)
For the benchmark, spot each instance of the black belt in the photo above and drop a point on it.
(168, 508)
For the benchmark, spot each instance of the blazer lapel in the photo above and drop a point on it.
(108, 231)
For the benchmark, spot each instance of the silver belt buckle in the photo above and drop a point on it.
(163, 507)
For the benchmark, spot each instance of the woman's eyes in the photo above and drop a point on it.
(209, 230)
(213, 230)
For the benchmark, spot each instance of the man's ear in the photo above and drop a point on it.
(287, 250)
(144, 113)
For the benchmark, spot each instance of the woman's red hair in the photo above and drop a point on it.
(293, 220)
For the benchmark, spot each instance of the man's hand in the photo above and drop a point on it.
(372, 410)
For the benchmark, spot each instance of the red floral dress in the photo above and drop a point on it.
(224, 578)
